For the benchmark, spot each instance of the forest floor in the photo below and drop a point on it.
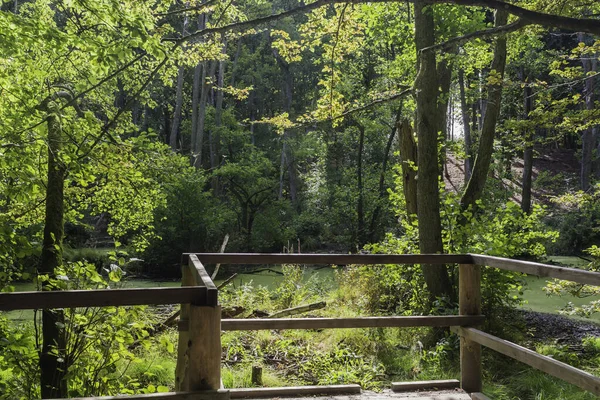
(555, 171)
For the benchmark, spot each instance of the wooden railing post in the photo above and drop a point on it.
(187, 279)
(199, 349)
(469, 288)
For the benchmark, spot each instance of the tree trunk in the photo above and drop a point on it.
(481, 167)
(53, 363)
(428, 197)
(408, 154)
(196, 87)
(208, 71)
(382, 191)
(177, 112)
(588, 137)
(444, 72)
(287, 157)
(528, 151)
(178, 97)
(360, 201)
(466, 126)
(215, 137)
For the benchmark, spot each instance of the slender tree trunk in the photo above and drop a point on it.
(428, 198)
(178, 96)
(588, 137)
(287, 157)
(466, 126)
(444, 72)
(177, 113)
(53, 363)
(481, 167)
(215, 139)
(528, 151)
(408, 154)
(382, 191)
(208, 71)
(196, 88)
(196, 84)
(360, 201)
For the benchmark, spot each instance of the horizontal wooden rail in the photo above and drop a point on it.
(337, 323)
(538, 269)
(329, 259)
(203, 279)
(101, 298)
(546, 364)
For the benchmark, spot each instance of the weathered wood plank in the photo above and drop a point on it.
(203, 354)
(206, 395)
(329, 259)
(548, 365)
(362, 322)
(100, 298)
(188, 278)
(479, 396)
(469, 303)
(204, 280)
(424, 385)
(296, 391)
(538, 269)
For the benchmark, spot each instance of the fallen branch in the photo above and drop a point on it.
(298, 310)
(216, 271)
(226, 282)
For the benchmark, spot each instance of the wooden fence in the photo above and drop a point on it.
(198, 371)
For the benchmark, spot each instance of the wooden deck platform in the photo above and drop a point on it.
(389, 395)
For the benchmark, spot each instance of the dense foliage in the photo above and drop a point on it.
(134, 131)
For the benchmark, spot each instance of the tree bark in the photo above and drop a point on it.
(408, 155)
(53, 363)
(215, 135)
(360, 201)
(382, 191)
(428, 197)
(481, 167)
(208, 71)
(528, 151)
(444, 72)
(588, 137)
(196, 88)
(466, 126)
(287, 157)
(178, 98)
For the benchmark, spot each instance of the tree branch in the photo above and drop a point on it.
(199, 7)
(586, 25)
(452, 43)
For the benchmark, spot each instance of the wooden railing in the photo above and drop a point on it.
(198, 371)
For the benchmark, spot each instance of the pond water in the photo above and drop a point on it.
(534, 297)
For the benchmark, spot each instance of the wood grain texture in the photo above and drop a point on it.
(469, 303)
(329, 259)
(424, 385)
(205, 395)
(295, 391)
(363, 322)
(479, 396)
(538, 269)
(204, 349)
(203, 279)
(558, 369)
(100, 298)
